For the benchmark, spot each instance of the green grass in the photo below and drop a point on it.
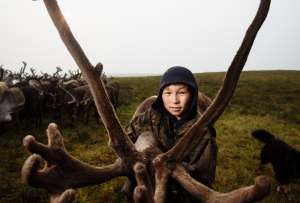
(263, 99)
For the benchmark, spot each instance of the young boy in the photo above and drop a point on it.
(173, 112)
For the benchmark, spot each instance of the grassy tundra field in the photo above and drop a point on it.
(263, 99)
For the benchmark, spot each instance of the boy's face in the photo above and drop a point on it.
(176, 98)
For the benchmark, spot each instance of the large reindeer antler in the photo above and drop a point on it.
(62, 172)
(184, 145)
(120, 142)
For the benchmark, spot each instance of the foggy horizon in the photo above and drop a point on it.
(147, 37)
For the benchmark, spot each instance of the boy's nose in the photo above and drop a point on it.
(175, 99)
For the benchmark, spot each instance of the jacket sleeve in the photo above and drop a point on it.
(137, 125)
(131, 131)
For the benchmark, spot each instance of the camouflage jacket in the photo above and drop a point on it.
(202, 160)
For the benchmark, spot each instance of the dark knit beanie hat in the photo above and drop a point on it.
(178, 74)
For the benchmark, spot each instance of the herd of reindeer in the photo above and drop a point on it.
(26, 95)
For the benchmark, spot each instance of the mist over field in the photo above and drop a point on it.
(150, 36)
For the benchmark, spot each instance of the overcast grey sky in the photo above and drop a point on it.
(139, 36)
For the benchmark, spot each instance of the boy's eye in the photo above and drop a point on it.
(182, 92)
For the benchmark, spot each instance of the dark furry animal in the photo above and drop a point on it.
(284, 158)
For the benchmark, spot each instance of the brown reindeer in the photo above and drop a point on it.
(11, 101)
(62, 173)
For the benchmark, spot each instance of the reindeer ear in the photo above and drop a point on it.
(17, 96)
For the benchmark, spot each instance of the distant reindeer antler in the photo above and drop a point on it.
(58, 70)
(33, 72)
(1, 73)
(63, 172)
(22, 70)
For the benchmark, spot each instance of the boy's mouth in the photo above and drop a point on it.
(175, 108)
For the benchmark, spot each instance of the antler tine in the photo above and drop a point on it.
(24, 67)
(143, 192)
(67, 196)
(119, 140)
(246, 194)
(61, 170)
(74, 100)
(162, 174)
(33, 72)
(181, 149)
